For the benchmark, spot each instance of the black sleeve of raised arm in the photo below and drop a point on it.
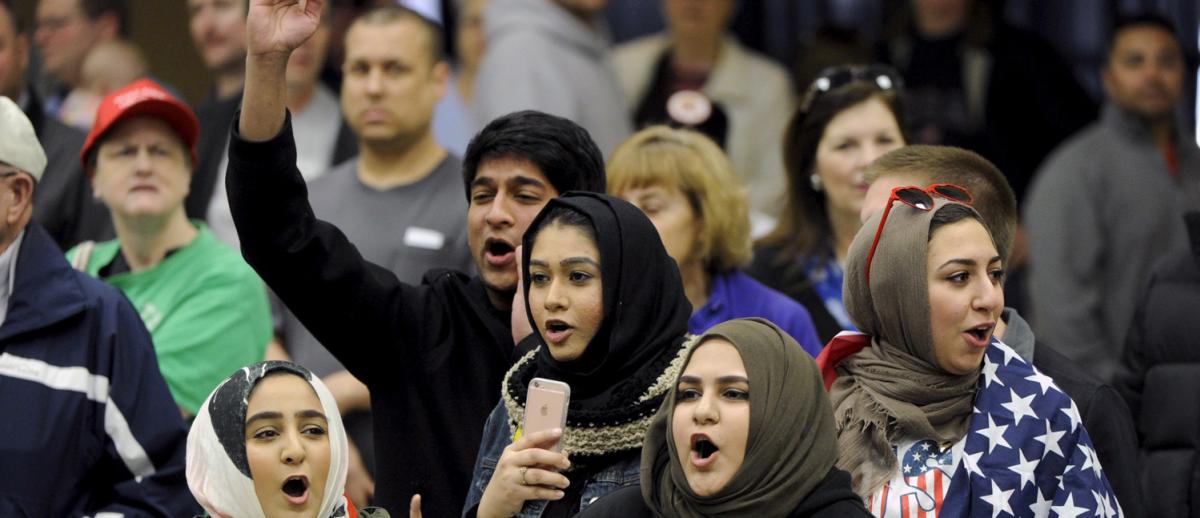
(358, 310)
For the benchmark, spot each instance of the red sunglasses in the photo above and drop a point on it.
(920, 199)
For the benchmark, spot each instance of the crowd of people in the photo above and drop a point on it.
(888, 292)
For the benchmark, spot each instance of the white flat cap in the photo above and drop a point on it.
(19, 146)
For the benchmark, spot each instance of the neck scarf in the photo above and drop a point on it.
(622, 376)
(218, 471)
(782, 463)
(894, 389)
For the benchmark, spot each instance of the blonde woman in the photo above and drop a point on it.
(687, 187)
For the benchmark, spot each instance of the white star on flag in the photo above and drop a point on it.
(1040, 508)
(1042, 380)
(1050, 439)
(989, 373)
(994, 434)
(1072, 414)
(1024, 469)
(1089, 460)
(1020, 406)
(998, 500)
(1068, 509)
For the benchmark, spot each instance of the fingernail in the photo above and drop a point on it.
(558, 495)
(556, 432)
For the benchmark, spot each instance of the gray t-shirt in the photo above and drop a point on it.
(408, 230)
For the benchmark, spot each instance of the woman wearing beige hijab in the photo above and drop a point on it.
(746, 431)
(933, 415)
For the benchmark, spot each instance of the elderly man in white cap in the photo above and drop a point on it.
(89, 427)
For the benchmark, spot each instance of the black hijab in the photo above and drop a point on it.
(624, 373)
(645, 309)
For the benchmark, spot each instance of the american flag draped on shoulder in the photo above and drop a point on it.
(1026, 453)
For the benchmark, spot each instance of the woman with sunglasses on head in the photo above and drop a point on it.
(686, 186)
(609, 317)
(724, 442)
(848, 118)
(931, 412)
(269, 442)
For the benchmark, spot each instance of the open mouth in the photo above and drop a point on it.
(980, 334)
(498, 252)
(296, 489)
(557, 330)
(703, 450)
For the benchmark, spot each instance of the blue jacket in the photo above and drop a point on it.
(737, 295)
(88, 426)
(496, 437)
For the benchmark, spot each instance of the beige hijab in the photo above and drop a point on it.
(791, 445)
(894, 389)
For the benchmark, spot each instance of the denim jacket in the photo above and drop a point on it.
(496, 437)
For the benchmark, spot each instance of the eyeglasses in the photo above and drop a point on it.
(920, 199)
(881, 76)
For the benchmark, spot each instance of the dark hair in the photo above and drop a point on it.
(94, 9)
(1139, 20)
(952, 213)
(561, 150)
(804, 226)
(392, 13)
(994, 197)
(566, 216)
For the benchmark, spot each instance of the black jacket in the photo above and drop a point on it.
(1161, 381)
(63, 201)
(790, 279)
(434, 355)
(832, 498)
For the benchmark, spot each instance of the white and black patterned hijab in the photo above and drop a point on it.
(218, 471)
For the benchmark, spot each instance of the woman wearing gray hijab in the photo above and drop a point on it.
(747, 430)
(933, 416)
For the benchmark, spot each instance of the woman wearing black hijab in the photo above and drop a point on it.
(747, 430)
(609, 313)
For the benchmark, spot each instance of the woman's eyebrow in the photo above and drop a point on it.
(733, 378)
(967, 262)
(578, 260)
(961, 262)
(304, 414)
(270, 414)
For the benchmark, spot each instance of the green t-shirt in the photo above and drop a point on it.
(206, 310)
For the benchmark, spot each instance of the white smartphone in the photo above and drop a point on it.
(546, 407)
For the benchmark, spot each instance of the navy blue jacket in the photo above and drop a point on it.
(87, 425)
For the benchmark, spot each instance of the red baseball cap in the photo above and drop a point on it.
(142, 97)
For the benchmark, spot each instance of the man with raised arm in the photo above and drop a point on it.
(432, 355)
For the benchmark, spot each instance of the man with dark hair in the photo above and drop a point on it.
(1108, 204)
(89, 427)
(63, 201)
(432, 355)
(66, 31)
(1105, 416)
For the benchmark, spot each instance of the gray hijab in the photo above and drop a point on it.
(783, 461)
(894, 389)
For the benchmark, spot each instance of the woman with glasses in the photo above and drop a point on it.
(932, 414)
(849, 117)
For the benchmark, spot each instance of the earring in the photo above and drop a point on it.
(815, 180)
